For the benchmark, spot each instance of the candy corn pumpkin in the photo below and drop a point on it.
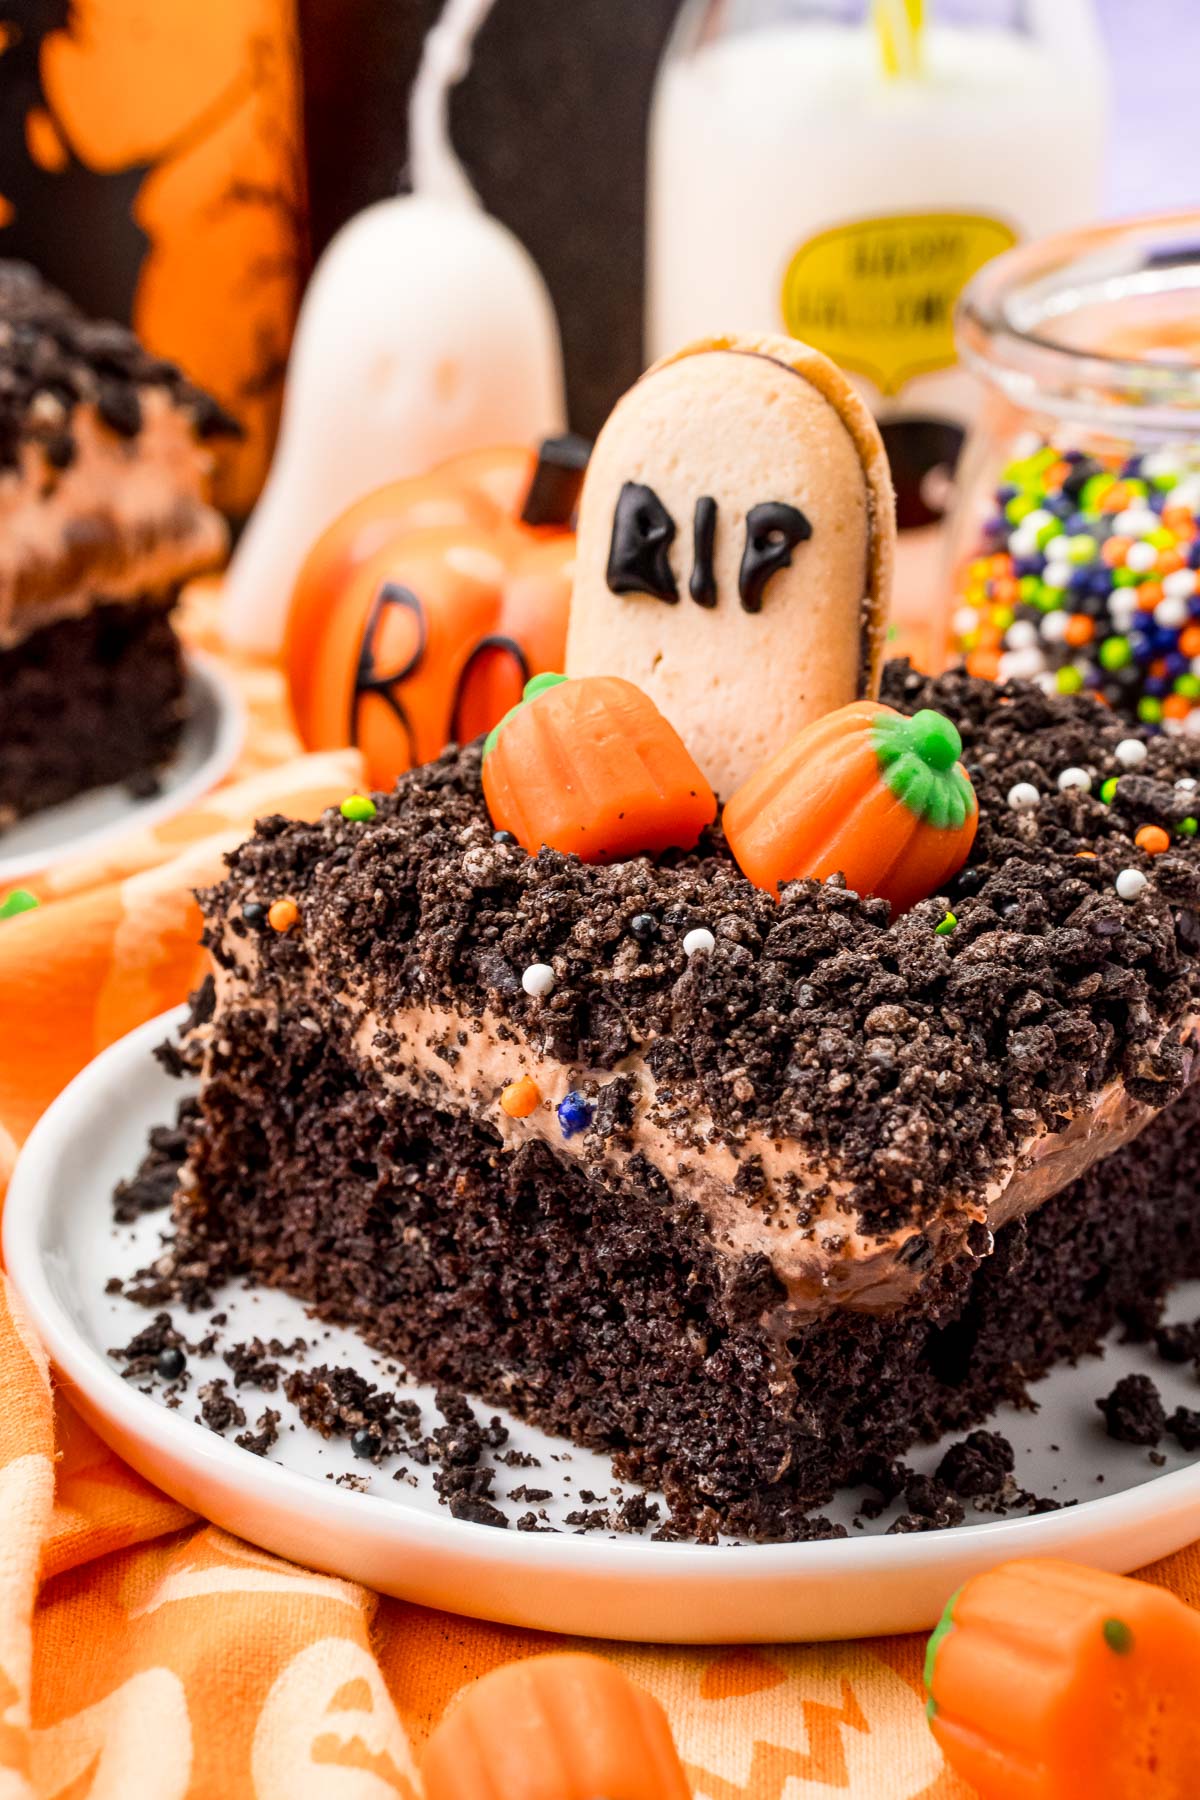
(564, 1727)
(865, 791)
(421, 612)
(592, 767)
(1048, 1681)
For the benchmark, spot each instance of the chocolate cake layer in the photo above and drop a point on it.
(89, 700)
(603, 1311)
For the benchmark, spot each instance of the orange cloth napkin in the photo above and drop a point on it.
(145, 1655)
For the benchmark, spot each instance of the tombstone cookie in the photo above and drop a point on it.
(735, 547)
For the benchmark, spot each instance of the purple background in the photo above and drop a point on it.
(1154, 160)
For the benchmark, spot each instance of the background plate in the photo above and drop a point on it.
(61, 1246)
(208, 748)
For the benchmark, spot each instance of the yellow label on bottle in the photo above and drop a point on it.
(878, 296)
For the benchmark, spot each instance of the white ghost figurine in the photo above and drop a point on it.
(426, 330)
(736, 535)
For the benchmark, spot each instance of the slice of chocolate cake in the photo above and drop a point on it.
(751, 1192)
(103, 475)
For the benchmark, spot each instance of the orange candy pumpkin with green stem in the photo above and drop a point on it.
(420, 614)
(561, 1727)
(864, 791)
(592, 767)
(1049, 1681)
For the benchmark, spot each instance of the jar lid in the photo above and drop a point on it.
(1099, 326)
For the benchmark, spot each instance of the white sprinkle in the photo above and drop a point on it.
(699, 939)
(538, 980)
(1160, 462)
(1185, 785)
(1020, 665)
(1141, 558)
(1129, 883)
(1056, 574)
(1135, 521)
(1054, 627)
(1075, 778)
(1191, 724)
(1020, 634)
(1023, 797)
(1171, 612)
(1130, 753)
(1023, 541)
(1046, 681)
(1034, 520)
(965, 619)
(1180, 584)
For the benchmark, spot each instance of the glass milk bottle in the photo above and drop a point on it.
(839, 169)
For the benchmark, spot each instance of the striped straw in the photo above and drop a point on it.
(898, 25)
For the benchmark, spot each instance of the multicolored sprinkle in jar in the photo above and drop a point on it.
(1088, 580)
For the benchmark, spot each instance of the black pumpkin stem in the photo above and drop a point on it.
(554, 490)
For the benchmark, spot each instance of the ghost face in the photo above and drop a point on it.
(723, 556)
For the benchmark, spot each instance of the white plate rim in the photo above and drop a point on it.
(202, 671)
(1092, 1530)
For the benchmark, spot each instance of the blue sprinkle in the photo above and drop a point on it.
(1141, 645)
(1061, 506)
(1007, 491)
(1177, 663)
(1028, 565)
(1080, 522)
(1100, 580)
(1093, 676)
(575, 1113)
(1132, 468)
(1164, 638)
(1081, 581)
(996, 529)
(1156, 500)
(1194, 554)
(1156, 685)
(1193, 606)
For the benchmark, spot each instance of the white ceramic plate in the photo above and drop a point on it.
(61, 1245)
(208, 748)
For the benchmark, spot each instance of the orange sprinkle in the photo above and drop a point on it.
(1005, 591)
(1116, 499)
(1189, 640)
(520, 1098)
(1149, 595)
(1168, 563)
(989, 636)
(1079, 629)
(984, 663)
(1177, 706)
(1153, 840)
(1115, 549)
(1000, 565)
(283, 915)
(1158, 667)
(1088, 855)
(1177, 518)
(1056, 474)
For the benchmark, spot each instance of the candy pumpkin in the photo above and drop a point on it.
(420, 614)
(1049, 1681)
(865, 791)
(562, 1727)
(592, 767)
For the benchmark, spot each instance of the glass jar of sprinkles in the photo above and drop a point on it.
(1075, 541)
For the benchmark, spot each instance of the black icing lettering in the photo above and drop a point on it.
(703, 585)
(772, 532)
(642, 535)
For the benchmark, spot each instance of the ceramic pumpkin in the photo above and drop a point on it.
(592, 767)
(419, 616)
(1049, 1681)
(865, 791)
(562, 1727)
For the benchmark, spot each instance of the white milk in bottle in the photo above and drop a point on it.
(840, 170)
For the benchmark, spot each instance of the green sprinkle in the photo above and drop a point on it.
(1068, 680)
(1081, 548)
(1019, 507)
(1164, 483)
(1092, 491)
(947, 925)
(1109, 789)
(893, 632)
(19, 901)
(1161, 538)
(1135, 487)
(1028, 588)
(1186, 828)
(358, 808)
(1048, 599)
(1150, 710)
(1118, 1636)
(1047, 533)
(1188, 686)
(1127, 577)
(1115, 653)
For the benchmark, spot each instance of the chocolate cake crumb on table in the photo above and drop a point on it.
(103, 480)
(787, 1204)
